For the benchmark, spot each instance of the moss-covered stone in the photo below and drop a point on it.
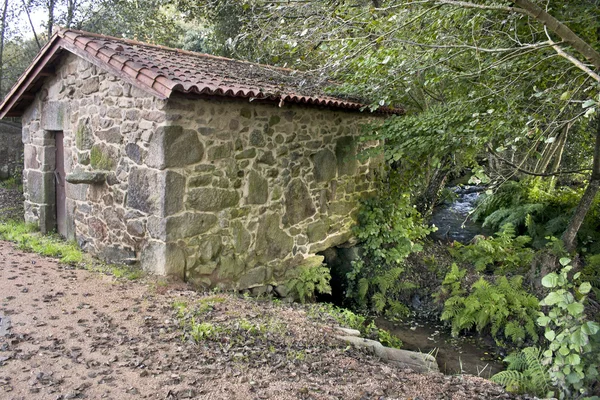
(103, 157)
(274, 120)
(220, 151)
(241, 237)
(212, 199)
(246, 112)
(83, 135)
(317, 231)
(209, 248)
(189, 224)
(345, 153)
(324, 165)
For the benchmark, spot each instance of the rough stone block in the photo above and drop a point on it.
(40, 187)
(257, 189)
(271, 241)
(188, 225)
(253, 278)
(110, 135)
(298, 202)
(220, 151)
(325, 165)
(209, 248)
(104, 157)
(316, 231)
(345, 153)
(155, 192)
(212, 199)
(163, 259)
(81, 177)
(118, 255)
(172, 146)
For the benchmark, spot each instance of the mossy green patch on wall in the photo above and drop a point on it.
(102, 157)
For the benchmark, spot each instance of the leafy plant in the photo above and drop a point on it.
(203, 331)
(503, 307)
(573, 353)
(310, 280)
(505, 253)
(526, 373)
(389, 229)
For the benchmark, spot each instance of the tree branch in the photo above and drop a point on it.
(573, 60)
(518, 168)
(562, 30)
(466, 4)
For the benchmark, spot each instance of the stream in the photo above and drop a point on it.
(462, 355)
(467, 354)
(452, 218)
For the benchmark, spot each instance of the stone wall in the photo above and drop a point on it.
(108, 127)
(224, 192)
(11, 149)
(265, 190)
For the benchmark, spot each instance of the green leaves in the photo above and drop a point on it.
(585, 288)
(570, 352)
(550, 280)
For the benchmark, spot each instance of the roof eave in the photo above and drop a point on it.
(35, 69)
(28, 77)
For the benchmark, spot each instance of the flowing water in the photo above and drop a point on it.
(466, 354)
(452, 218)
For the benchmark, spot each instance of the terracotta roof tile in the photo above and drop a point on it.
(163, 71)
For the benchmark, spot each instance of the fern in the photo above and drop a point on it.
(310, 280)
(504, 253)
(525, 373)
(502, 307)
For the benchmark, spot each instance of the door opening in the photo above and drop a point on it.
(60, 190)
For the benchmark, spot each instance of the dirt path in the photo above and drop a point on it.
(77, 334)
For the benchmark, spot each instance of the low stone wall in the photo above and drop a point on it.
(11, 149)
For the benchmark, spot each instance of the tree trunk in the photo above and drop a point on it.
(427, 200)
(50, 17)
(570, 234)
(2, 35)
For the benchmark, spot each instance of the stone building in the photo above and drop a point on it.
(220, 171)
(11, 149)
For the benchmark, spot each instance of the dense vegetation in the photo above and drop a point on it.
(503, 92)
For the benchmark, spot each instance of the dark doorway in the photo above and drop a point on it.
(59, 179)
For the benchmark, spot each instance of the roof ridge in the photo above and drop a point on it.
(61, 32)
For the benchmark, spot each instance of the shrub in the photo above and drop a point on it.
(503, 307)
(389, 229)
(573, 352)
(526, 373)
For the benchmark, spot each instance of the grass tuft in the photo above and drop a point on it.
(28, 238)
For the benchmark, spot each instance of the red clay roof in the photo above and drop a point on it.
(162, 71)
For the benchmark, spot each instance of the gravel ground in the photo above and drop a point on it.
(68, 333)
(78, 334)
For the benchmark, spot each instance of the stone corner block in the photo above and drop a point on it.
(163, 259)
